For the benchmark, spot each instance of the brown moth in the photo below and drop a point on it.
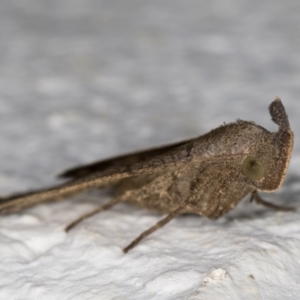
(208, 175)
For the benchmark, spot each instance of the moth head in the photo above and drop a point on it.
(266, 164)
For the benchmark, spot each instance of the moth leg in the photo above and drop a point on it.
(158, 225)
(259, 200)
(97, 210)
(137, 194)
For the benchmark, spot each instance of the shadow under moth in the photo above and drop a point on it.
(208, 175)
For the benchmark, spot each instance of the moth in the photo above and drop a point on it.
(208, 175)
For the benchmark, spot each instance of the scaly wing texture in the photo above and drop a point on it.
(132, 165)
(102, 165)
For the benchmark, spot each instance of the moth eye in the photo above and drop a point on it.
(253, 168)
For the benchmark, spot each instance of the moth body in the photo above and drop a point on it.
(208, 175)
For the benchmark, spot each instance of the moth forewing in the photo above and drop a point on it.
(102, 165)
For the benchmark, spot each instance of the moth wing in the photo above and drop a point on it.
(84, 170)
(145, 162)
(108, 172)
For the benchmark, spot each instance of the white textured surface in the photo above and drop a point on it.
(84, 80)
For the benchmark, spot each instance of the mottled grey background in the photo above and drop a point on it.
(82, 80)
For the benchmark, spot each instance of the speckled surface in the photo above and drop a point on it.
(85, 80)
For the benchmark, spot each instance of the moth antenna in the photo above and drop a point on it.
(279, 115)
